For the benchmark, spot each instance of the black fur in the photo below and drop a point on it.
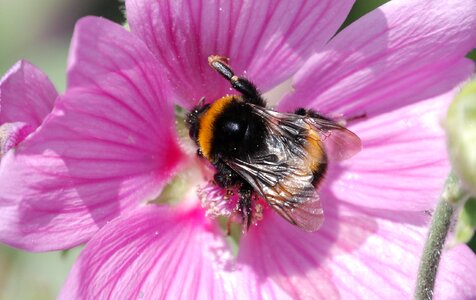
(319, 173)
(225, 177)
(245, 205)
(237, 132)
(193, 118)
(249, 91)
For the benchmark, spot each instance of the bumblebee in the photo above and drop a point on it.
(280, 157)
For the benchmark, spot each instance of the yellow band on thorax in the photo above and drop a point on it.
(207, 120)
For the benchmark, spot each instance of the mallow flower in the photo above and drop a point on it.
(26, 98)
(92, 171)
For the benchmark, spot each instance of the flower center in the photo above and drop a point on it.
(219, 202)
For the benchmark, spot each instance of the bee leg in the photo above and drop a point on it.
(311, 113)
(355, 118)
(225, 177)
(242, 85)
(339, 120)
(244, 205)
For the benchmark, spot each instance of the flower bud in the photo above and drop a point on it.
(461, 136)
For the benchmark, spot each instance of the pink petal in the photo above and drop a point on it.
(403, 164)
(353, 256)
(454, 280)
(105, 148)
(401, 53)
(266, 40)
(157, 253)
(26, 95)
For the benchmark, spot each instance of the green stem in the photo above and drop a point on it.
(440, 225)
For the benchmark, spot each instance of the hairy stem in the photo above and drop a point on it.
(440, 225)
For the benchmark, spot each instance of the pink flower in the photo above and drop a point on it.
(109, 146)
(26, 97)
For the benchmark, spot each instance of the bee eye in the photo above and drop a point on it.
(192, 124)
(193, 118)
(193, 131)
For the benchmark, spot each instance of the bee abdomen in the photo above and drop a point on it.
(318, 174)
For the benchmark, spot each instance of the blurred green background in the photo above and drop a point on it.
(39, 31)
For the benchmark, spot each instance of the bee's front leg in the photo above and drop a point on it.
(242, 85)
(311, 113)
(225, 177)
(340, 120)
(244, 205)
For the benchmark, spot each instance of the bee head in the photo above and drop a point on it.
(193, 118)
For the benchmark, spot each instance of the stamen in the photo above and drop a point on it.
(11, 134)
(220, 202)
(217, 201)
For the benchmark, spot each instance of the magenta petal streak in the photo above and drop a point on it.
(353, 256)
(26, 95)
(267, 40)
(403, 165)
(109, 144)
(158, 253)
(26, 98)
(401, 53)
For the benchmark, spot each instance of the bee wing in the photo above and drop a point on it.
(340, 143)
(283, 172)
(286, 187)
(308, 215)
